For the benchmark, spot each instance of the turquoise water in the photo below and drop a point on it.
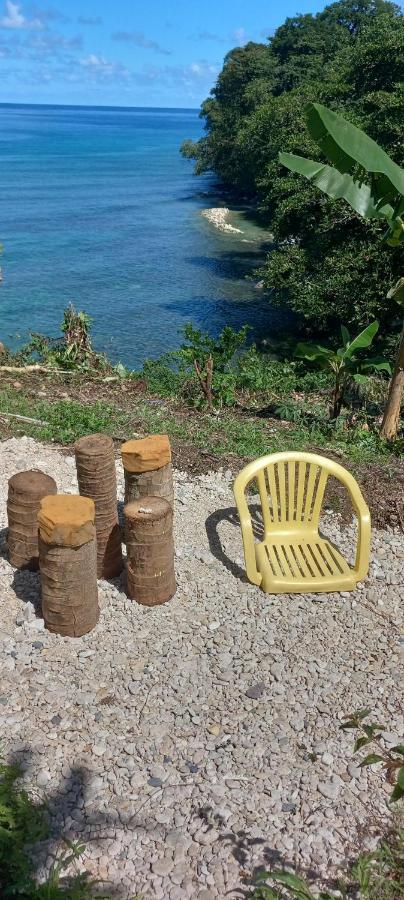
(98, 208)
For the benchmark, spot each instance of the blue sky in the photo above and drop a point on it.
(126, 53)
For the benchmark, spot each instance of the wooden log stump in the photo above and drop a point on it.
(96, 476)
(25, 491)
(68, 564)
(148, 469)
(150, 547)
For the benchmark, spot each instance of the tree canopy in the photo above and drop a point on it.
(327, 263)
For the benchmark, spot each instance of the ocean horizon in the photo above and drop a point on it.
(99, 209)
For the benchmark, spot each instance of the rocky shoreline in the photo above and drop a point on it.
(218, 216)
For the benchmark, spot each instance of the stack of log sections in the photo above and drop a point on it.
(96, 476)
(72, 539)
(150, 548)
(148, 469)
(68, 564)
(25, 492)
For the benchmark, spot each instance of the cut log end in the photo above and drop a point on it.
(25, 491)
(94, 445)
(149, 542)
(147, 454)
(66, 520)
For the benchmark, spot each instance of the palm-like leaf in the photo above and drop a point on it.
(397, 292)
(346, 146)
(339, 186)
(313, 352)
(364, 339)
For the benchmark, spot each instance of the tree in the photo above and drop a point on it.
(350, 56)
(363, 175)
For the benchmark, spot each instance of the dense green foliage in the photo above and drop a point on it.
(328, 264)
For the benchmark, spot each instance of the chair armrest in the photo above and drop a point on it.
(361, 509)
(249, 550)
(364, 537)
(253, 574)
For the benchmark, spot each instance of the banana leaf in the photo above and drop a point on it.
(338, 186)
(364, 339)
(397, 292)
(313, 352)
(377, 364)
(346, 146)
(346, 337)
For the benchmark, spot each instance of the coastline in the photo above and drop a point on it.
(218, 216)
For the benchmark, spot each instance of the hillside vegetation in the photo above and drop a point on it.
(328, 265)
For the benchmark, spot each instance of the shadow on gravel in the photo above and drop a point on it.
(55, 807)
(3, 543)
(242, 845)
(27, 587)
(215, 544)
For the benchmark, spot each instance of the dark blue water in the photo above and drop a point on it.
(99, 208)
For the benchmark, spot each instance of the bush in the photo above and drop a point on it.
(164, 376)
(72, 351)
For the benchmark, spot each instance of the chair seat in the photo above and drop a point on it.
(294, 565)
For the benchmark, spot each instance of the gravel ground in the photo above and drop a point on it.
(190, 743)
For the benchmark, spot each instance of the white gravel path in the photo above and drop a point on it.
(143, 734)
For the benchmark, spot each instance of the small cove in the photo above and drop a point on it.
(98, 208)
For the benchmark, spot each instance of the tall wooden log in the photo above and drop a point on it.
(96, 476)
(25, 491)
(68, 564)
(148, 469)
(150, 548)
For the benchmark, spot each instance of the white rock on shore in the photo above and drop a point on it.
(218, 217)
(187, 744)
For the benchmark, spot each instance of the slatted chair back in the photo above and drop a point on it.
(291, 487)
(291, 493)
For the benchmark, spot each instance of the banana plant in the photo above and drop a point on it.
(363, 175)
(344, 363)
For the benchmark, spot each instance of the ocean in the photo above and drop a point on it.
(99, 209)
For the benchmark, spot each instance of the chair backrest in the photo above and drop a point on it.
(291, 487)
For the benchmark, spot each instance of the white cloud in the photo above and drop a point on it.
(194, 79)
(14, 18)
(240, 35)
(102, 69)
(202, 69)
(140, 40)
(47, 44)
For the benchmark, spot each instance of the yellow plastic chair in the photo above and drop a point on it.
(293, 557)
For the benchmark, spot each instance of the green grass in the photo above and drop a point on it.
(248, 437)
(228, 433)
(66, 420)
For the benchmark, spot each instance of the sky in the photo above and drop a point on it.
(126, 52)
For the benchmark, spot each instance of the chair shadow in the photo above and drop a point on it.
(230, 515)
